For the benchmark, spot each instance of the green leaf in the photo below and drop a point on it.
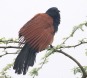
(34, 72)
(6, 68)
(86, 24)
(78, 70)
(86, 52)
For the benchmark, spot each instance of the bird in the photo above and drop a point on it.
(37, 34)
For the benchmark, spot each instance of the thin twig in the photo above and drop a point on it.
(45, 59)
(73, 46)
(74, 30)
(40, 66)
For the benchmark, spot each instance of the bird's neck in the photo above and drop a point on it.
(56, 22)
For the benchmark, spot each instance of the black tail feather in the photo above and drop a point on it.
(25, 59)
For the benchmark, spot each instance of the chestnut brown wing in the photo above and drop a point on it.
(38, 32)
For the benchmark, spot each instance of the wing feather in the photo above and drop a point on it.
(38, 32)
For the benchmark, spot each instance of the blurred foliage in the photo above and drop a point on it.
(78, 70)
(3, 73)
(7, 41)
(35, 71)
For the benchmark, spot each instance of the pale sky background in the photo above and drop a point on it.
(15, 13)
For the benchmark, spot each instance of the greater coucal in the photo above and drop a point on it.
(37, 34)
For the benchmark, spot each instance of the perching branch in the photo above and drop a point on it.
(61, 46)
(64, 46)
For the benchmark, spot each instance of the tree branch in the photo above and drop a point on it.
(75, 28)
(16, 47)
(8, 53)
(73, 46)
(64, 46)
(80, 66)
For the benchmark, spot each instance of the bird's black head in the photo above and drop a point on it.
(54, 13)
